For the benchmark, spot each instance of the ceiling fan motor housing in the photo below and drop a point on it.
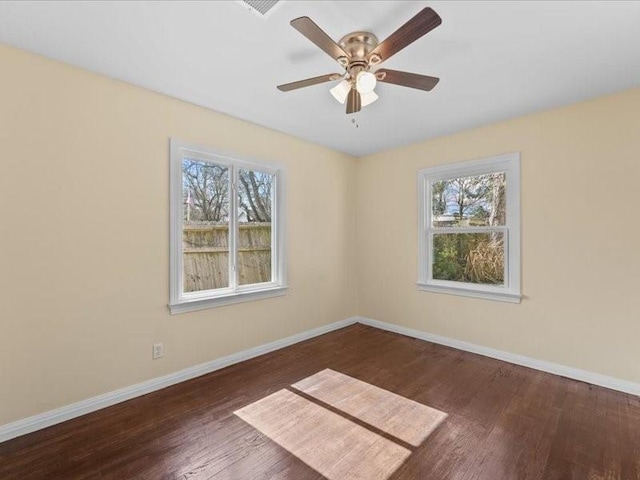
(358, 45)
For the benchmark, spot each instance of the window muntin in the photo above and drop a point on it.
(469, 236)
(227, 237)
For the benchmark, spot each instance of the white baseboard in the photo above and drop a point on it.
(53, 417)
(557, 369)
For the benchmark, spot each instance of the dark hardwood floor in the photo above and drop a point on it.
(504, 421)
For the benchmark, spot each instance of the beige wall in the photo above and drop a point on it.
(580, 238)
(84, 236)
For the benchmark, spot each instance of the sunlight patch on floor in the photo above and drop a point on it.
(335, 446)
(330, 444)
(394, 414)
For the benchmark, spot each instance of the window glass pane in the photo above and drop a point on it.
(469, 257)
(469, 201)
(255, 201)
(205, 225)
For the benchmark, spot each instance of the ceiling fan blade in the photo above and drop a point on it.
(421, 24)
(313, 32)
(406, 79)
(354, 102)
(309, 81)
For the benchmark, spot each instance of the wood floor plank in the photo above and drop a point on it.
(504, 422)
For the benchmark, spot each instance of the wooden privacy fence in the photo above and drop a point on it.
(206, 255)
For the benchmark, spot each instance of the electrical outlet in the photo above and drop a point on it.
(158, 350)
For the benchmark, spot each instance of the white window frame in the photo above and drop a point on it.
(181, 301)
(510, 291)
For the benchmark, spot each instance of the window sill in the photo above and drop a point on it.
(230, 299)
(464, 292)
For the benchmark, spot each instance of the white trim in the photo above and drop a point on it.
(59, 415)
(542, 365)
(478, 166)
(456, 290)
(230, 299)
(508, 163)
(233, 236)
(180, 302)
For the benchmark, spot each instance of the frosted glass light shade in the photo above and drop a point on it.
(340, 91)
(368, 98)
(365, 82)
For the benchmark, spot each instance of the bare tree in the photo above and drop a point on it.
(255, 195)
(497, 214)
(470, 192)
(438, 199)
(206, 190)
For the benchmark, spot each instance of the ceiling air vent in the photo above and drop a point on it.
(262, 8)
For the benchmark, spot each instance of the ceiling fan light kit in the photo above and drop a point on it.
(341, 90)
(368, 98)
(365, 82)
(358, 52)
(354, 102)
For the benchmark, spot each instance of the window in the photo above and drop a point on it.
(227, 229)
(470, 228)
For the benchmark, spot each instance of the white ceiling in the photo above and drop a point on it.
(496, 60)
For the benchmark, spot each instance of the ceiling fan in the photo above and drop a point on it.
(358, 52)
